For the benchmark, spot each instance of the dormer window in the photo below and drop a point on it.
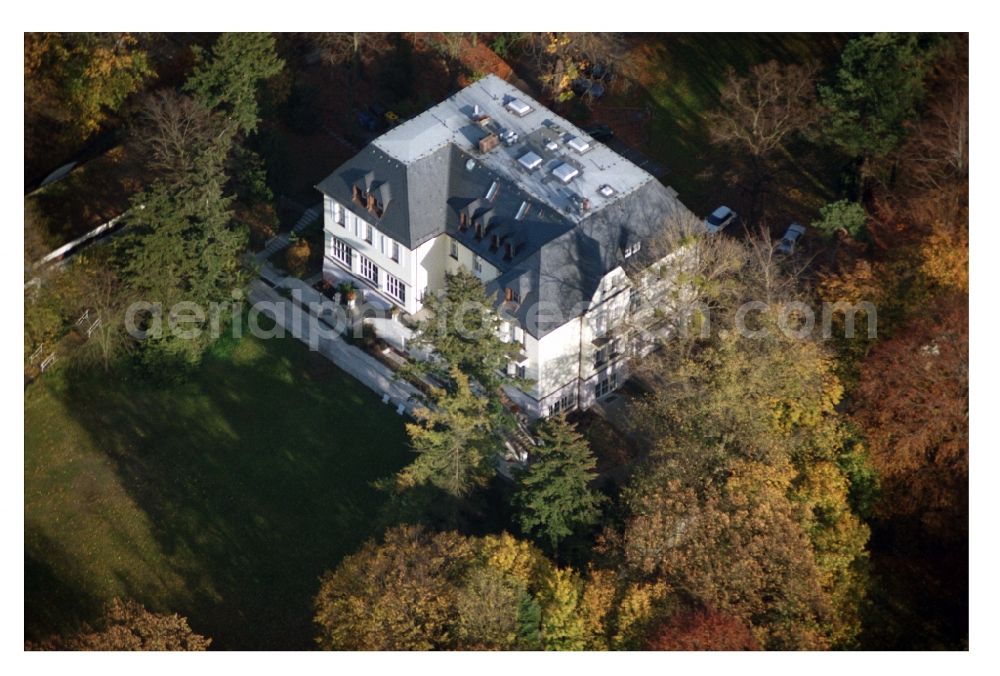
(480, 231)
(357, 196)
(512, 296)
(463, 221)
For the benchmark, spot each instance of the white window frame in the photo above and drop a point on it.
(394, 250)
(395, 288)
(338, 214)
(453, 249)
(369, 233)
(341, 251)
(368, 265)
(477, 264)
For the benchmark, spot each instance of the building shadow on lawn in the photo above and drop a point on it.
(256, 478)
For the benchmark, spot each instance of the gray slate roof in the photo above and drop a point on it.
(428, 171)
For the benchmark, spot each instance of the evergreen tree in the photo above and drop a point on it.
(553, 497)
(227, 78)
(877, 90)
(464, 331)
(180, 245)
(455, 440)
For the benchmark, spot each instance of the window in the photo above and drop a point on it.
(381, 244)
(369, 270)
(634, 300)
(606, 385)
(513, 296)
(521, 371)
(338, 214)
(632, 249)
(340, 251)
(616, 347)
(369, 233)
(394, 250)
(477, 264)
(453, 249)
(565, 403)
(357, 225)
(396, 288)
(601, 355)
(518, 334)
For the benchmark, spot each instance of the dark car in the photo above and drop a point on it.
(584, 86)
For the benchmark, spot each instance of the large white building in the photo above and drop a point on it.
(552, 221)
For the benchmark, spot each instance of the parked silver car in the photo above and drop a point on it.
(788, 240)
(719, 220)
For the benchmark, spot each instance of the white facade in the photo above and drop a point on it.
(376, 261)
(570, 367)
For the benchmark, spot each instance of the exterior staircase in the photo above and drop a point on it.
(279, 242)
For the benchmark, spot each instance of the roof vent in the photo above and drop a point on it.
(606, 190)
(551, 145)
(522, 211)
(509, 137)
(518, 107)
(579, 145)
(530, 160)
(470, 165)
(566, 172)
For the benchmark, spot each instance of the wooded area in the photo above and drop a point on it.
(777, 493)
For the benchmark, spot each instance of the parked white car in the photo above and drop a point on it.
(788, 240)
(719, 220)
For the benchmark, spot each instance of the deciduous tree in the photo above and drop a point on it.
(702, 629)
(127, 625)
(398, 595)
(761, 111)
(913, 403)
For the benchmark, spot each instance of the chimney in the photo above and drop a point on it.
(488, 142)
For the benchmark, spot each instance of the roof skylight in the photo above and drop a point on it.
(566, 172)
(530, 160)
(518, 107)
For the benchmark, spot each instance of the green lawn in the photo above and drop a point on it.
(223, 498)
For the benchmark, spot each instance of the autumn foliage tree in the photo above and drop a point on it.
(702, 629)
(76, 80)
(913, 403)
(420, 591)
(127, 625)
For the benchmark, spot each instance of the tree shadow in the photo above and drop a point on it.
(256, 477)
